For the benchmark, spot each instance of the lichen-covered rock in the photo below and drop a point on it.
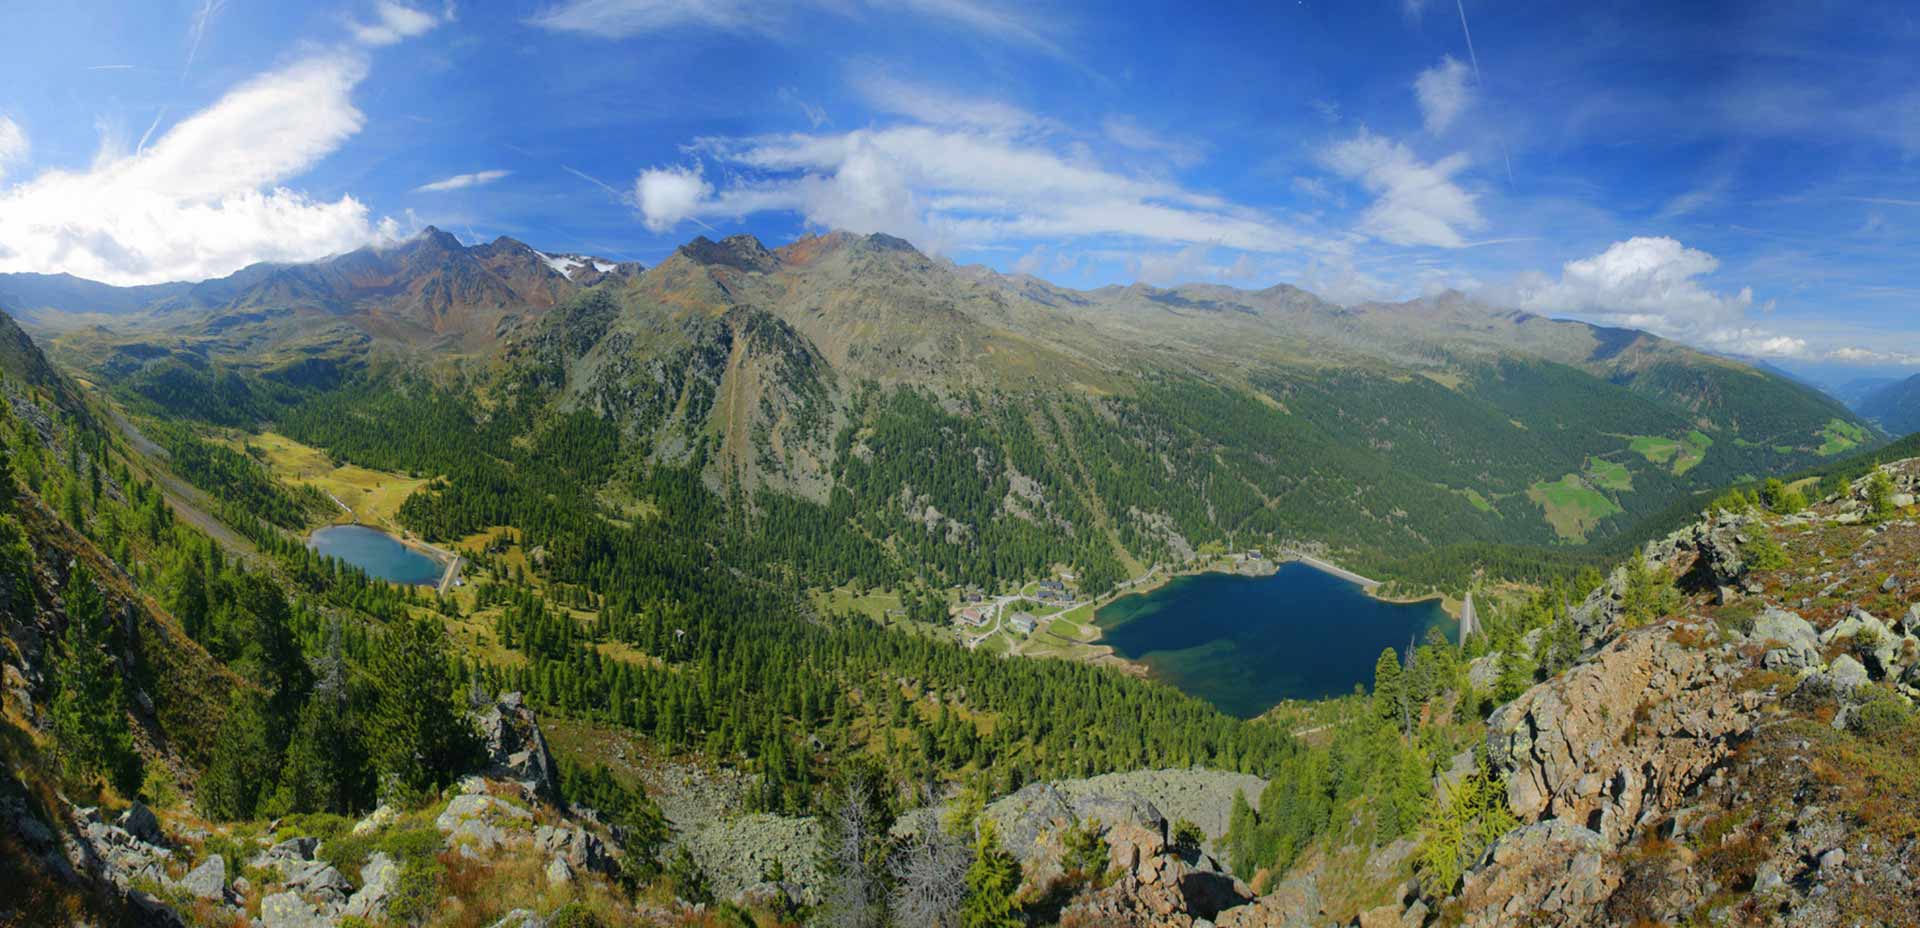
(207, 881)
(378, 877)
(516, 750)
(1295, 903)
(1625, 733)
(113, 853)
(579, 848)
(288, 910)
(1548, 873)
(1793, 643)
(479, 822)
(1845, 675)
(1157, 887)
(283, 855)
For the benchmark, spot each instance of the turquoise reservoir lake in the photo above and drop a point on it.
(1246, 643)
(378, 553)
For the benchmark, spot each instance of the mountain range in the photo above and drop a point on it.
(1894, 405)
(1135, 419)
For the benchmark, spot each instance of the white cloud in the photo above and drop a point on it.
(616, 19)
(459, 181)
(1653, 283)
(950, 187)
(939, 108)
(1443, 93)
(1124, 131)
(1188, 264)
(207, 197)
(1337, 280)
(1644, 283)
(394, 22)
(13, 144)
(816, 114)
(668, 196)
(619, 19)
(1417, 203)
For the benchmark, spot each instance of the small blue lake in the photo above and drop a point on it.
(378, 553)
(1246, 643)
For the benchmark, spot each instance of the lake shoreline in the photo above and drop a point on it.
(1170, 650)
(447, 562)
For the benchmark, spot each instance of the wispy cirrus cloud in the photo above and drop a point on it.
(949, 187)
(393, 22)
(462, 181)
(1128, 133)
(1416, 202)
(620, 19)
(1443, 93)
(13, 144)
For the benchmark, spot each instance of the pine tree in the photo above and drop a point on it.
(991, 882)
(7, 489)
(322, 771)
(1386, 686)
(417, 737)
(240, 774)
(1880, 496)
(90, 706)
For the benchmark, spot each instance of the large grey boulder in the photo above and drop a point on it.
(140, 822)
(207, 881)
(479, 822)
(581, 849)
(288, 910)
(1795, 644)
(284, 855)
(318, 880)
(516, 750)
(1846, 675)
(378, 877)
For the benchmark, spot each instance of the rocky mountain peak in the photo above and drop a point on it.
(741, 251)
(437, 238)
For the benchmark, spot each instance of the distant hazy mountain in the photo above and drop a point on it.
(1896, 406)
(1856, 391)
(429, 291)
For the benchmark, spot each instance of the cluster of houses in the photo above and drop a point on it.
(978, 612)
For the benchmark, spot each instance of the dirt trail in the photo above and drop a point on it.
(188, 501)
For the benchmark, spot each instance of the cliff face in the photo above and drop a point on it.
(1739, 759)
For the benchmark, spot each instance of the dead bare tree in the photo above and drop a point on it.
(855, 894)
(930, 879)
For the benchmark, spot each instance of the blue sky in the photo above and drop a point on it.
(1742, 179)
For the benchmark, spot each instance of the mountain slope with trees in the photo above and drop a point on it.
(910, 418)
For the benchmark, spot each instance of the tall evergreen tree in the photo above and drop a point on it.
(90, 705)
(240, 775)
(1387, 686)
(418, 739)
(991, 882)
(323, 766)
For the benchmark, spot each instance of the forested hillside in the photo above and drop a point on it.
(868, 414)
(1896, 407)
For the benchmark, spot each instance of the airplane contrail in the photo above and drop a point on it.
(1505, 155)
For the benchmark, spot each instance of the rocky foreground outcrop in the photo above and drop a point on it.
(1623, 735)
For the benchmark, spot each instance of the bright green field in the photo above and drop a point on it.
(1680, 454)
(1840, 436)
(1609, 475)
(1572, 507)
